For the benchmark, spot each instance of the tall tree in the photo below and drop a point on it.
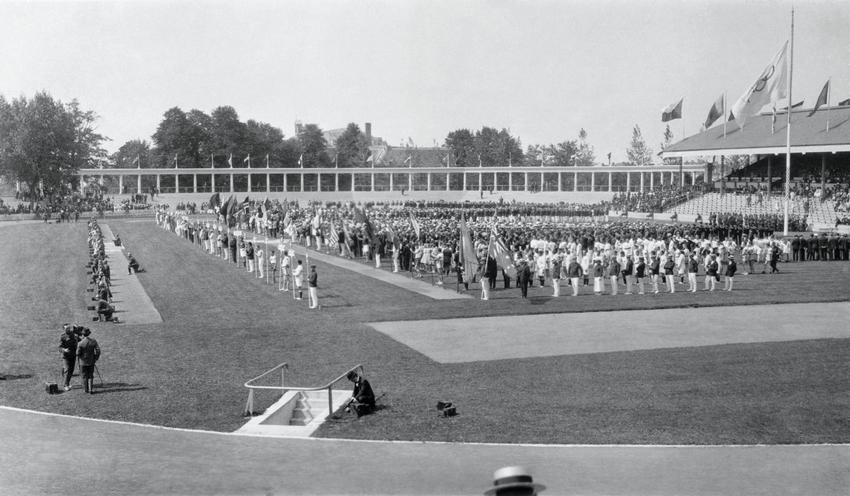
(352, 149)
(173, 139)
(43, 143)
(462, 145)
(199, 139)
(668, 140)
(638, 152)
(563, 154)
(261, 139)
(498, 148)
(585, 155)
(228, 133)
(132, 154)
(314, 147)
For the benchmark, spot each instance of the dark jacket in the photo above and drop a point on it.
(68, 344)
(363, 392)
(88, 351)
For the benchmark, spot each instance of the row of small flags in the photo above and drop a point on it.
(246, 160)
(770, 87)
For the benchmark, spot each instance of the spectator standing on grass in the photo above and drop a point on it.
(88, 352)
(484, 278)
(731, 268)
(523, 277)
(260, 256)
(669, 276)
(693, 268)
(574, 272)
(298, 277)
(313, 287)
(627, 271)
(613, 271)
(249, 254)
(711, 275)
(68, 345)
(640, 274)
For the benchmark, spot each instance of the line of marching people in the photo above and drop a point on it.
(282, 268)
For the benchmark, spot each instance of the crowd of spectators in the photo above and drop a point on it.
(654, 200)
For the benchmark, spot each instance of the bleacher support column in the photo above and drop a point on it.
(628, 181)
(823, 172)
(559, 181)
(723, 174)
(120, 184)
(480, 181)
(157, 183)
(610, 183)
(194, 183)
(250, 177)
(495, 182)
(526, 182)
(651, 180)
(231, 183)
(410, 181)
(285, 185)
(176, 184)
(268, 183)
(693, 179)
(592, 181)
(575, 182)
(391, 181)
(336, 181)
(447, 181)
(510, 181)
(372, 175)
(302, 182)
(138, 184)
(212, 183)
(428, 179)
(641, 183)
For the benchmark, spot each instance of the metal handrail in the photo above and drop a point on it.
(249, 406)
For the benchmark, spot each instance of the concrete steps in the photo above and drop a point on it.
(295, 414)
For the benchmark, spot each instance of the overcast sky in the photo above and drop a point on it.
(419, 69)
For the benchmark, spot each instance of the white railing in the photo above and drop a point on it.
(283, 388)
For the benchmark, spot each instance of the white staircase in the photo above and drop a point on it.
(295, 414)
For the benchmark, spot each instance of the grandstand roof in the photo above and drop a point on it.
(808, 135)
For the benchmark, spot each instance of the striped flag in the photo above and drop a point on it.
(415, 224)
(333, 236)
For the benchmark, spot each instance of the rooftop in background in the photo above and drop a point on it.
(808, 135)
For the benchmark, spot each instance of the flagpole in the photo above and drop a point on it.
(788, 133)
(828, 96)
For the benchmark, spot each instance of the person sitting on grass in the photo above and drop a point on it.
(362, 400)
(133, 266)
(104, 308)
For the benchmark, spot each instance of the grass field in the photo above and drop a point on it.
(222, 326)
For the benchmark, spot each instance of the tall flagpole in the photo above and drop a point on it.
(788, 133)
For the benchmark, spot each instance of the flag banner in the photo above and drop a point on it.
(716, 111)
(333, 236)
(468, 256)
(215, 199)
(301, 160)
(769, 87)
(673, 111)
(370, 159)
(417, 228)
(136, 162)
(247, 160)
(317, 219)
(391, 234)
(844, 103)
(822, 99)
(230, 160)
(500, 252)
(347, 234)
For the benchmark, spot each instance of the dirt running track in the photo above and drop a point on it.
(51, 454)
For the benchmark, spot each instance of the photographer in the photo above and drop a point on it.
(88, 353)
(68, 345)
(362, 400)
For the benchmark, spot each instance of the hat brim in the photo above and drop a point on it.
(537, 487)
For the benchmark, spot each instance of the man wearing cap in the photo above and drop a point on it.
(513, 481)
(68, 345)
(88, 352)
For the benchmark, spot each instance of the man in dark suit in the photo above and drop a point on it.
(88, 352)
(362, 398)
(68, 345)
(492, 271)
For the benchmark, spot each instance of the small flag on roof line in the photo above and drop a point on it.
(673, 111)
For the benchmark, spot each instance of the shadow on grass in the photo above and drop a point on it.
(10, 377)
(116, 387)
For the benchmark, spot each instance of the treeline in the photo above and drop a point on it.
(44, 142)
